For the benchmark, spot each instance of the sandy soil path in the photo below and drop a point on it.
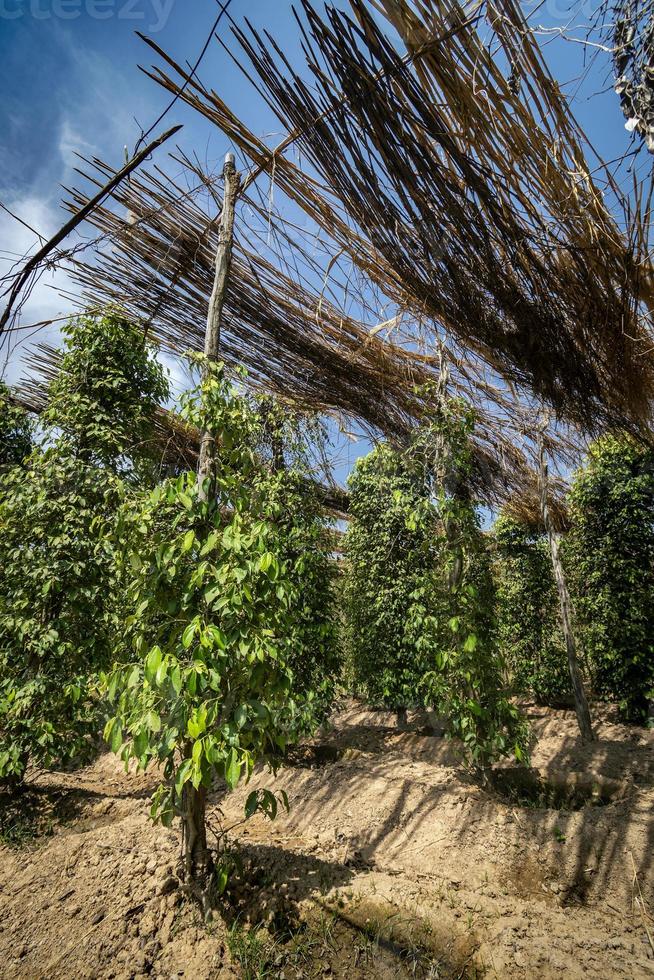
(391, 863)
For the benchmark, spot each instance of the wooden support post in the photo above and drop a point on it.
(197, 857)
(448, 479)
(579, 693)
(206, 461)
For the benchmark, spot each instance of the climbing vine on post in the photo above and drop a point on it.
(58, 588)
(467, 682)
(610, 555)
(529, 631)
(553, 536)
(104, 396)
(288, 444)
(419, 591)
(388, 561)
(207, 693)
(211, 696)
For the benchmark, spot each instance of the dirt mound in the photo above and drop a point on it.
(393, 862)
(98, 897)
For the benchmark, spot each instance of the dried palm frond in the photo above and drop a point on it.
(293, 342)
(457, 179)
(453, 178)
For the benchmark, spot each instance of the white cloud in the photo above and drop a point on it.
(97, 121)
(179, 376)
(44, 301)
(70, 143)
(101, 119)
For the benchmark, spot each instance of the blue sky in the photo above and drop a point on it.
(70, 83)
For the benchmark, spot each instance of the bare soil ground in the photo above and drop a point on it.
(393, 862)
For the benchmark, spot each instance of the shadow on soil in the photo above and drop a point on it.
(573, 821)
(270, 934)
(31, 814)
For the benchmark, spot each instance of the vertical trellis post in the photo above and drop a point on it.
(214, 317)
(198, 861)
(578, 691)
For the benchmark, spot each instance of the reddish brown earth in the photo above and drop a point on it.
(393, 862)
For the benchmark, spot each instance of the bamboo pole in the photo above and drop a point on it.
(206, 461)
(578, 691)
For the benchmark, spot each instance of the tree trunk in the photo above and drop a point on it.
(198, 863)
(448, 480)
(578, 691)
(581, 702)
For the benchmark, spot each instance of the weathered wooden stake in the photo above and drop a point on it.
(579, 693)
(197, 857)
(206, 461)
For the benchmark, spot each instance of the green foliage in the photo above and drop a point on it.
(419, 594)
(529, 630)
(57, 575)
(468, 683)
(254, 951)
(388, 563)
(610, 556)
(302, 542)
(105, 393)
(16, 431)
(217, 612)
(55, 624)
(285, 437)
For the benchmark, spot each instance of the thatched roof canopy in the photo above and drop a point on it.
(457, 179)
(465, 172)
(293, 341)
